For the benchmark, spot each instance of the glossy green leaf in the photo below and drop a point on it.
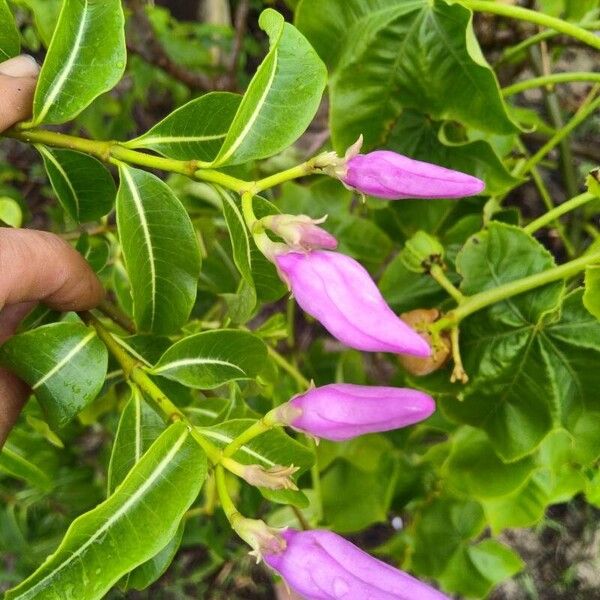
(269, 449)
(138, 427)
(84, 187)
(387, 56)
(125, 530)
(591, 296)
(512, 392)
(86, 58)
(282, 98)
(147, 573)
(195, 131)
(160, 251)
(10, 42)
(64, 363)
(10, 212)
(210, 359)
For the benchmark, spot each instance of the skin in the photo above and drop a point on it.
(35, 266)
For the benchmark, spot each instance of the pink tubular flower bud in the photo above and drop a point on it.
(300, 232)
(386, 174)
(339, 292)
(320, 565)
(341, 411)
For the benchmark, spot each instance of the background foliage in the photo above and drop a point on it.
(515, 447)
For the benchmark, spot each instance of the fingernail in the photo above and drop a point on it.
(20, 66)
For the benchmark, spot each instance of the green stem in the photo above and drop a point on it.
(437, 272)
(136, 374)
(533, 16)
(290, 369)
(261, 239)
(315, 476)
(474, 303)
(231, 512)
(550, 80)
(558, 211)
(258, 428)
(227, 181)
(586, 109)
(301, 170)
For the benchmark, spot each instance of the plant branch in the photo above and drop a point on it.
(437, 272)
(550, 80)
(558, 211)
(474, 303)
(588, 107)
(533, 16)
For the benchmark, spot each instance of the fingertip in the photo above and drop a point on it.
(20, 66)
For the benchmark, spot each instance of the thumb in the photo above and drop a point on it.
(18, 78)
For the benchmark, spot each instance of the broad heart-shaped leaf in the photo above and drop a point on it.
(210, 359)
(138, 427)
(84, 187)
(385, 56)
(10, 43)
(86, 57)
(512, 393)
(160, 251)
(591, 296)
(194, 131)
(282, 97)
(269, 449)
(64, 363)
(128, 528)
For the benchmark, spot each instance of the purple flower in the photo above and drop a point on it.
(300, 232)
(341, 411)
(320, 565)
(340, 293)
(386, 174)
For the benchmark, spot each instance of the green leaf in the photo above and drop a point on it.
(267, 450)
(86, 58)
(210, 359)
(282, 98)
(10, 42)
(84, 187)
(195, 131)
(64, 363)
(138, 427)
(10, 212)
(591, 296)
(147, 573)
(386, 56)
(45, 13)
(125, 530)
(15, 465)
(512, 394)
(160, 251)
(475, 470)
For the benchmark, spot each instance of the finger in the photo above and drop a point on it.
(39, 266)
(11, 317)
(18, 77)
(13, 393)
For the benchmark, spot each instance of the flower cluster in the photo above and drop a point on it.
(338, 292)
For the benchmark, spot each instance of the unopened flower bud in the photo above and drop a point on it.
(339, 292)
(321, 565)
(300, 232)
(420, 252)
(341, 411)
(386, 174)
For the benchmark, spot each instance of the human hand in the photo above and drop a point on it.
(35, 266)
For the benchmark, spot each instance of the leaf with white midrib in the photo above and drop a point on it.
(124, 531)
(209, 359)
(86, 57)
(160, 250)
